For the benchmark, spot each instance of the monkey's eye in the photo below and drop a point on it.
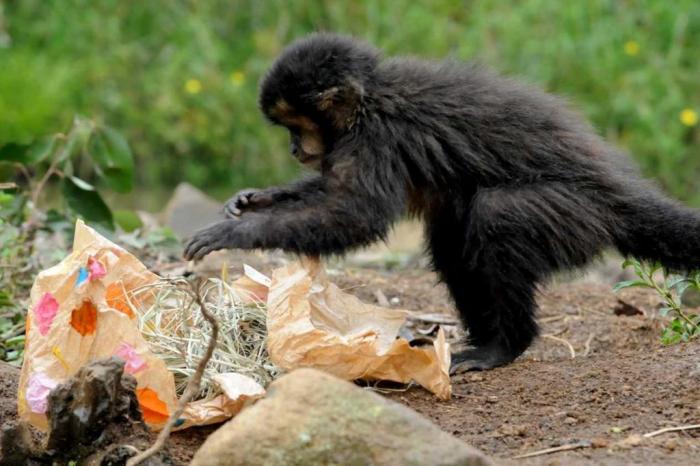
(294, 143)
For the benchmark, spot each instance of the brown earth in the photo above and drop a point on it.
(620, 383)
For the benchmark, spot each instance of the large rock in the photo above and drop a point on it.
(311, 418)
(94, 418)
(189, 209)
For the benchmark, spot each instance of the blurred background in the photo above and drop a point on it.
(178, 79)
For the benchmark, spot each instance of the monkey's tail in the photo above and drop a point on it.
(657, 228)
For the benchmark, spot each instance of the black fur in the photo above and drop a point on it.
(512, 185)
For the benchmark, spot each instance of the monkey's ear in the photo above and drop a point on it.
(341, 103)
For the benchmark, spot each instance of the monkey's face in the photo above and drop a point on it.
(316, 89)
(306, 138)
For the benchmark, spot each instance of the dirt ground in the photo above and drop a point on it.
(595, 377)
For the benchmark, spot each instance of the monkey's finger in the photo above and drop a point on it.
(205, 250)
(189, 249)
(230, 210)
(193, 246)
(243, 200)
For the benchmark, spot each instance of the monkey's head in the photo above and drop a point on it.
(316, 89)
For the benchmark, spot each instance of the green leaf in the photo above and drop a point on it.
(82, 184)
(87, 203)
(5, 299)
(77, 138)
(630, 283)
(670, 337)
(110, 151)
(127, 220)
(41, 150)
(682, 287)
(629, 261)
(15, 153)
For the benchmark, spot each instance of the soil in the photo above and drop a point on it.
(599, 376)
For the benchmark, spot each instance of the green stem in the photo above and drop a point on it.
(674, 306)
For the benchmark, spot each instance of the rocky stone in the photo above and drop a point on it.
(93, 416)
(81, 409)
(189, 209)
(310, 417)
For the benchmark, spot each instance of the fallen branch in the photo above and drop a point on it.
(546, 451)
(671, 429)
(192, 387)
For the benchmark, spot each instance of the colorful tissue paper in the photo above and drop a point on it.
(81, 312)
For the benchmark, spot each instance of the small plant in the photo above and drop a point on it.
(88, 151)
(684, 326)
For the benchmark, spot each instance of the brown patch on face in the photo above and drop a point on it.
(326, 98)
(310, 138)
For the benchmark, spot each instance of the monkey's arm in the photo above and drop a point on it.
(255, 199)
(331, 219)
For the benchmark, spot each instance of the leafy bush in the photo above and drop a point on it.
(87, 150)
(683, 325)
(179, 78)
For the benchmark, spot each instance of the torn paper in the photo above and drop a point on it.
(83, 309)
(312, 323)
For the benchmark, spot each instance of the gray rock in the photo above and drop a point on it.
(312, 418)
(189, 209)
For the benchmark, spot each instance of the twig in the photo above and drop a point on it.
(42, 182)
(550, 319)
(435, 318)
(561, 340)
(381, 298)
(192, 387)
(587, 345)
(546, 451)
(586, 443)
(671, 429)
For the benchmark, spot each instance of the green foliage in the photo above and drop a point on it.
(88, 150)
(683, 325)
(179, 79)
(14, 265)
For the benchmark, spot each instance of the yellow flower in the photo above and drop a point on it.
(193, 86)
(631, 48)
(237, 78)
(688, 117)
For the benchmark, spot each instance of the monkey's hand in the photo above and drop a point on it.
(248, 199)
(228, 234)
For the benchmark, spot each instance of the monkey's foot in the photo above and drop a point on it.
(480, 359)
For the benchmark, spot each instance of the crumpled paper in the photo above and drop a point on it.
(312, 323)
(80, 311)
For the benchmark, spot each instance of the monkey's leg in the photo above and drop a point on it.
(513, 239)
(497, 307)
(484, 296)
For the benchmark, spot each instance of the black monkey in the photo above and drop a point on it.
(512, 185)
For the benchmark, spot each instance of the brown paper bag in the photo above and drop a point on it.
(80, 311)
(312, 323)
